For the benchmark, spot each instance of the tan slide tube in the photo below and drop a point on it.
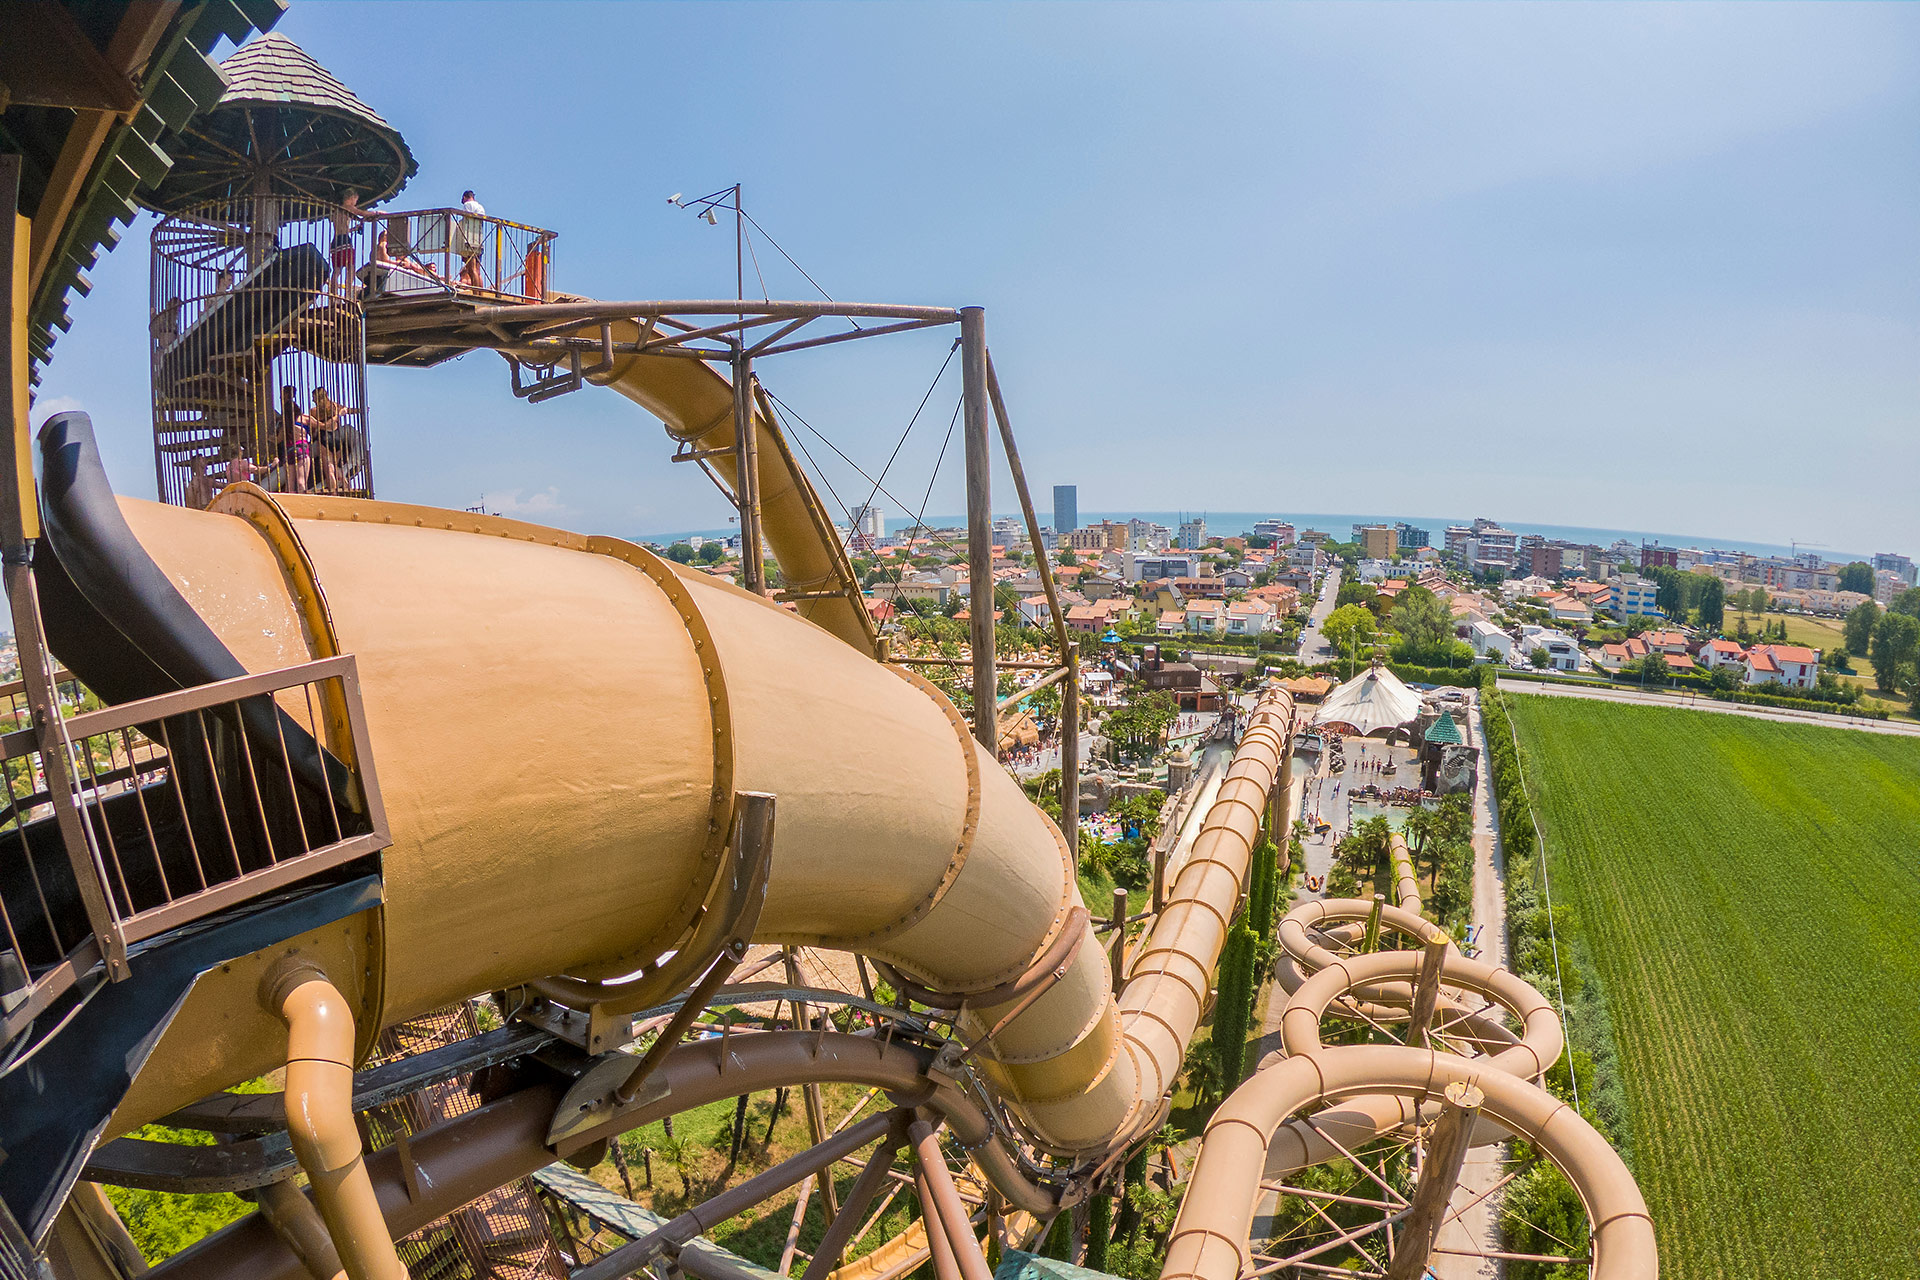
(1210, 1234)
(561, 724)
(320, 1120)
(1165, 996)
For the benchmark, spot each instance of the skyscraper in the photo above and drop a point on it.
(1066, 508)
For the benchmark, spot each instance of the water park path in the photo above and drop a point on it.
(1479, 1226)
(1690, 702)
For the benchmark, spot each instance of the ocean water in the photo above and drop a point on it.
(1341, 526)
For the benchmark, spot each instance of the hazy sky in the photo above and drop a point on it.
(1636, 266)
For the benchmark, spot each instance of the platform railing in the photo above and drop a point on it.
(435, 251)
(180, 806)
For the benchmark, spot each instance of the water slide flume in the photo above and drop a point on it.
(562, 725)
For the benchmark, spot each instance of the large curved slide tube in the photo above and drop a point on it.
(694, 401)
(1209, 1236)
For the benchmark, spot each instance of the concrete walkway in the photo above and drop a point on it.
(1691, 702)
(1479, 1226)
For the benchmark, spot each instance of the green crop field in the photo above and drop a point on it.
(1750, 893)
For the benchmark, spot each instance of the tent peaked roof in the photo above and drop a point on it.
(1374, 700)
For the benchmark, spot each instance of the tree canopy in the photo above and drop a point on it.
(1857, 576)
(1859, 626)
(1424, 622)
(1896, 644)
(1348, 628)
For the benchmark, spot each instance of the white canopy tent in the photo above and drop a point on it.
(1373, 701)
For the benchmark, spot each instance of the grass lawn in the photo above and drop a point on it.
(1750, 893)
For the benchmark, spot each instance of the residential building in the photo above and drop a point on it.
(1249, 618)
(1563, 651)
(1655, 556)
(1066, 507)
(1667, 643)
(1903, 566)
(1633, 596)
(1146, 568)
(1378, 541)
(1171, 622)
(1284, 599)
(1568, 611)
(1489, 639)
(1524, 588)
(1206, 617)
(1887, 585)
(1721, 652)
(1412, 536)
(1313, 538)
(1009, 532)
(1279, 530)
(1791, 665)
(1145, 535)
(1091, 538)
(1193, 533)
(1539, 558)
(1299, 577)
(1484, 546)
(869, 526)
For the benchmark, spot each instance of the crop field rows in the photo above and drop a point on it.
(1750, 892)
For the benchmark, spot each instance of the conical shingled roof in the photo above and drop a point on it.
(284, 117)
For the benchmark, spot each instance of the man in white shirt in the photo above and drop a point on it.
(472, 241)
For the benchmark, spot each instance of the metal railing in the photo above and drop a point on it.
(180, 806)
(431, 252)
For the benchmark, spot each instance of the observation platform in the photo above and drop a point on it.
(427, 271)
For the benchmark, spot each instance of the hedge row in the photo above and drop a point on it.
(1592, 1059)
(1797, 704)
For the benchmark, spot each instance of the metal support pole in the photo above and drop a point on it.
(934, 1223)
(840, 1231)
(1439, 1175)
(979, 457)
(1426, 990)
(746, 481)
(946, 1209)
(1069, 650)
(810, 1092)
(1118, 958)
(1070, 753)
(702, 1218)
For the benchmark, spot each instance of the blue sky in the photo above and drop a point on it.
(1620, 265)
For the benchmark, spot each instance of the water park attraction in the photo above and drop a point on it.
(286, 841)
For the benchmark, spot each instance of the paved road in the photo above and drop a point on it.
(1694, 703)
(1313, 647)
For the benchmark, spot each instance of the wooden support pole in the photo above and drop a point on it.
(1439, 1175)
(979, 460)
(1426, 991)
(1372, 942)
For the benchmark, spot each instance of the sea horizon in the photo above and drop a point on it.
(1231, 523)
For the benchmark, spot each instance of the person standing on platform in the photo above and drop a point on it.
(472, 240)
